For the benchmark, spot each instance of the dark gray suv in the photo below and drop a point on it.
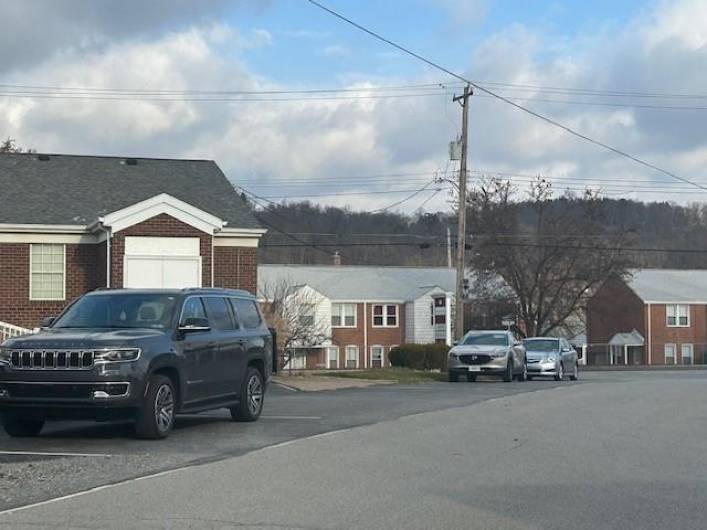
(144, 355)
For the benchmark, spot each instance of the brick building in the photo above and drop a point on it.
(654, 317)
(71, 224)
(364, 311)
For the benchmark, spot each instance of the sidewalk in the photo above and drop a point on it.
(316, 383)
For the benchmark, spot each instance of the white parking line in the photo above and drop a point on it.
(291, 417)
(38, 453)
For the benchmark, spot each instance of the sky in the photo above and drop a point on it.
(165, 78)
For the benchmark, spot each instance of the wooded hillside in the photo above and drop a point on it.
(395, 239)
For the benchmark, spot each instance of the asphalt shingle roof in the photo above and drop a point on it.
(359, 282)
(669, 285)
(71, 189)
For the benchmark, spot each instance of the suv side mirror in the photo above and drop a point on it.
(46, 322)
(193, 324)
(455, 342)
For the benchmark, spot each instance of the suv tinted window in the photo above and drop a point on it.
(133, 310)
(247, 312)
(219, 314)
(193, 308)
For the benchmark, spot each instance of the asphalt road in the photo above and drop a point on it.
(613, 451)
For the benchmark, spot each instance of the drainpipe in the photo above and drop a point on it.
(107, 231)
(649, 341)
(365, 334)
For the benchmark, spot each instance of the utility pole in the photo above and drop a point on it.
(461, 232)
(449, 248)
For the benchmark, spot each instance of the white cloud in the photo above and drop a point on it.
(340, 138)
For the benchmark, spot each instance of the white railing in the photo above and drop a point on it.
(10, 330)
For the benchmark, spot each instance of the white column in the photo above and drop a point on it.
(625, 354)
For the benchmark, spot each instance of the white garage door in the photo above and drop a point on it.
(162, 262)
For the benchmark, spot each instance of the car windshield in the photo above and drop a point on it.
(486, 339)
(119, 311)
(542, 345)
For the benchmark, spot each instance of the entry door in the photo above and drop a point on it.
(162, 262)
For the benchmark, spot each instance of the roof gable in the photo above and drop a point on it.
(669, 285)
(77, 190)
(353, 283)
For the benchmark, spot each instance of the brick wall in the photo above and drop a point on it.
(343, 337)
(162, 225)
(236, 268)
(16, 307)
(615, 308)
(385, 337)
(661, 334)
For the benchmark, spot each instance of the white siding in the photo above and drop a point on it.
(410, 322)
(322, 311)
(423, 327)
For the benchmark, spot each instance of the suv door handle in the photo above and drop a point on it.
(241, 341)
(210, 345)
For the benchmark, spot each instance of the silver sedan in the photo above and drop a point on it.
(551, 357)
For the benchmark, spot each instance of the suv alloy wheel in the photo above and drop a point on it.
(251, 397)
(156, 416)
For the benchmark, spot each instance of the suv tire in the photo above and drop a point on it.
(251, 397)
(156, 416)
(471, 377)
(22, 427)
(452, 377)
(523, 375)
(508, 374)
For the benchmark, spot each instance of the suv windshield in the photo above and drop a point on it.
(486, 339)
(119, 311)
(541, 345)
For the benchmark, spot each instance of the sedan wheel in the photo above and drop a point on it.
(560, 373)
(575, 372)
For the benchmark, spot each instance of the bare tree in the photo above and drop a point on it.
(292, 311)
(553, 254)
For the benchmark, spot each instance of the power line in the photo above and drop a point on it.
(413, 194)
(351, 193)
(503, 98)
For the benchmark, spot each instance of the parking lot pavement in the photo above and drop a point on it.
(71, 457)
(619, 451)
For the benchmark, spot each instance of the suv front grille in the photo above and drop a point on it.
(474, 358)
(52, 359)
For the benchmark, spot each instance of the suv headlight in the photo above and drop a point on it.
(5, 354)
(498, 353)
(118, 355)
(453, 355)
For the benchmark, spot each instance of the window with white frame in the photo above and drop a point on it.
(343, 315)
(385, 316)
(677, 315)
(305, 315)
(670, 351)
(376, 356)
(47, 271)
(333, 357)
(351, 356)
(687, 352)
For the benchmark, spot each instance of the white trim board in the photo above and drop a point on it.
(162, 204)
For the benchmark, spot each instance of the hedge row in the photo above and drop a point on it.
(420, 356)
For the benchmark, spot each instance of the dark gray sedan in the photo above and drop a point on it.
(551, 357)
